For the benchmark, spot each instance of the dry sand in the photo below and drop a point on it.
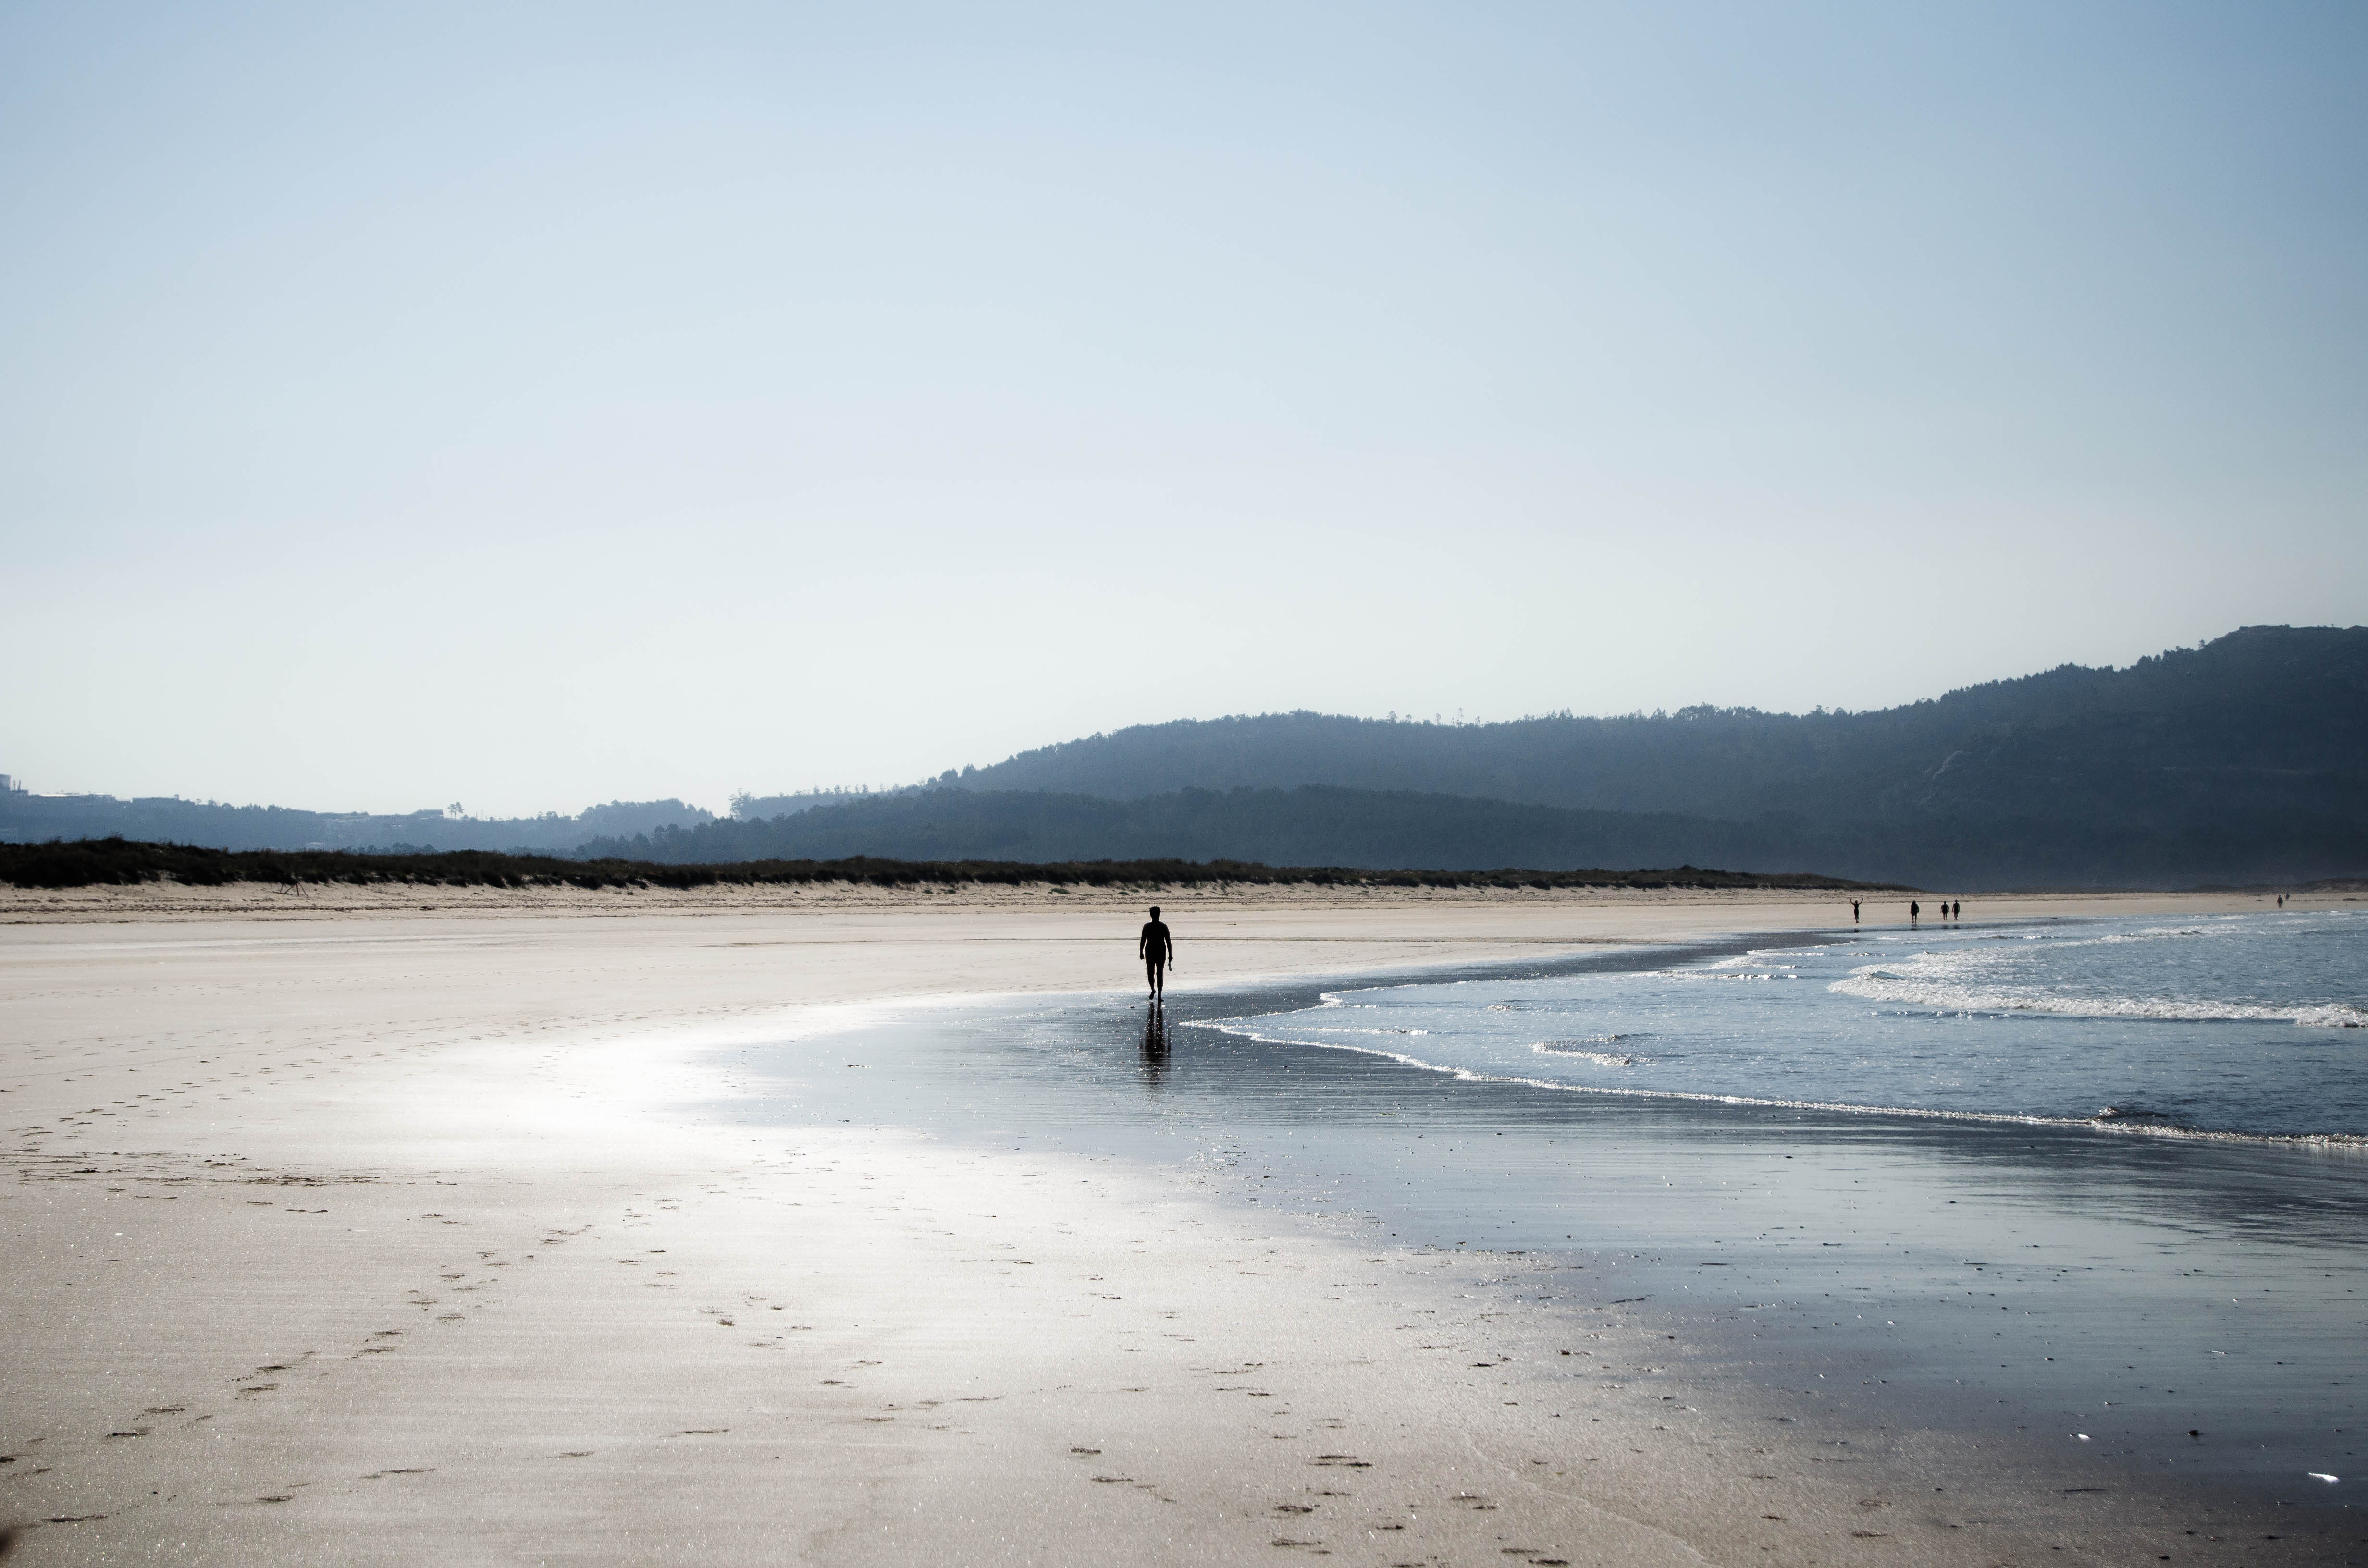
(344, 1230)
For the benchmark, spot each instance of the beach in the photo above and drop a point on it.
(466, 1225)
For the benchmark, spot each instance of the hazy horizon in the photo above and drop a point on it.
(526, 409)
(989, 768)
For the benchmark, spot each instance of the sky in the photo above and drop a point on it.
(532, 405)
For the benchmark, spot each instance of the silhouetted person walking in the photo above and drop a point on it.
(1915, 910)
(1155, 948)
(1853, 912)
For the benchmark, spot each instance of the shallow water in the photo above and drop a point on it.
(2235, 1024)
(2083, 1299)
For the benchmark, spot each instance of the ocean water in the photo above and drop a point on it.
(2234, 1025)
(2180, 1308)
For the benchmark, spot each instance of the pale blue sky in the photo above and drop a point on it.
(531, 405)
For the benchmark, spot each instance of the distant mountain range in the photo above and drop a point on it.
(2244, 760)
(1323, 826)
(2266, 721)
(28, 818)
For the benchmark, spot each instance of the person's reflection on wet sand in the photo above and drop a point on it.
(1155, 1047)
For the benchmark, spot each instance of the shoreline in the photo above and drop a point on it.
(2068, 1196)
(506, 1224)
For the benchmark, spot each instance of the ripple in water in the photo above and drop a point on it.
(2243, 1024)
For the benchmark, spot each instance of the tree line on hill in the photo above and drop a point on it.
(2244, 760)
(1323, 826)
(2268, 722)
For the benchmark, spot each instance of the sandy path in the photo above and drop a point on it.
(365, 1237)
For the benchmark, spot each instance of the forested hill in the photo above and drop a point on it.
(2269, 722)
(2243, 761)
(1388, 830)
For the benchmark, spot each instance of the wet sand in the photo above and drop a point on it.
(347, 1234)
(2061, 1295)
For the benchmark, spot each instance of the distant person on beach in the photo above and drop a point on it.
(1853, 912)
(1155, 948)
(1914, 910)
